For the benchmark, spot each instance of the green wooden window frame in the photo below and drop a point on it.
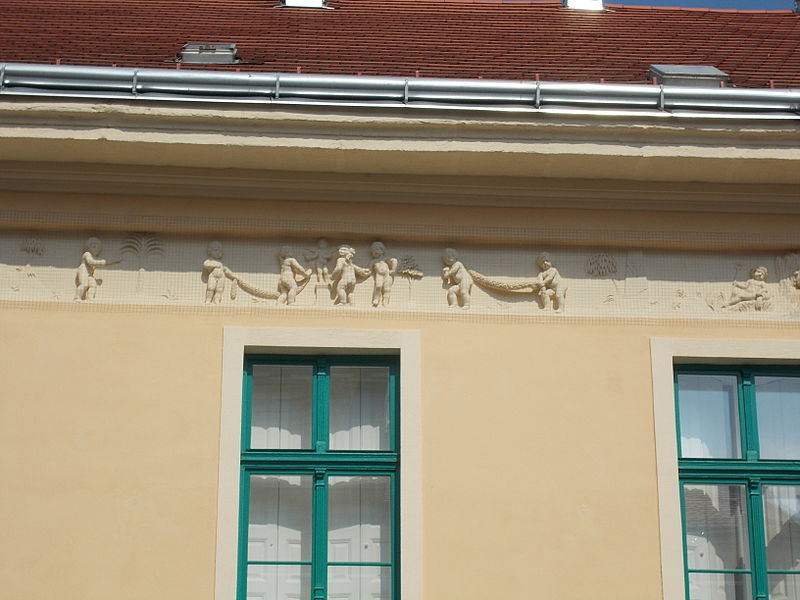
(321, 463)
(749, 471)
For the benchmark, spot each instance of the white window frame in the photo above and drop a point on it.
(238, 341)
(664, 353)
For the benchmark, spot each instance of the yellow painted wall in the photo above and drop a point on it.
(538, 452)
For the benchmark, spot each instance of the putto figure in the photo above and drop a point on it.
(288, 285)
(215, 273)
(319, 259)
(85, 281)
(457, 278)
(383, 270)
(345, 276)
(754, 290)
(548, 284)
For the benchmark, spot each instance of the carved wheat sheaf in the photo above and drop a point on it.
(408, 267)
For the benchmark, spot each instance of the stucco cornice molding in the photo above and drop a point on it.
(343, 142)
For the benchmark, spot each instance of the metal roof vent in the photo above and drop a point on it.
(305, 3)
(209, 54)
(691, 75)
(584, 4)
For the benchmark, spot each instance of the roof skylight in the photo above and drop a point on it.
(209, 54)
(584, 4)
(305, 3)
(691, 75)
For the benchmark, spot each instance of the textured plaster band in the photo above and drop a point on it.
(239, 341)
(666, 352)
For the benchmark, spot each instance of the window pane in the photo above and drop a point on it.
(278, 582)
(281, 407)
(709, 416)
(359, 583)
(782, 526)
(778, 402)
(280, 518)
(359, 523)
(359, 408)
(719, 586)
(716, 526)
(784, 587)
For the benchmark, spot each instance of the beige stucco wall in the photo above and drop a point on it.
(539, 463)
(538, 444)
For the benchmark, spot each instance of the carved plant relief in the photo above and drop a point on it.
(410, 269)
(600, 266)
(85, 281)
(33, 246)
(457, 279)
(142, 246)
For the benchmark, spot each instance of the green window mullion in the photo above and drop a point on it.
(394, 504)
(321, 411)
(682, 489)
(319, 528)
(739, 571)
(757, 539)
(246, 410)
(394, 419)
(749, 415)
(244, 519)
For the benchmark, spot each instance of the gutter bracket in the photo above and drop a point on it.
(278, 86)
(135, 87)
(537, 98)
(661, 102)
(405, 92)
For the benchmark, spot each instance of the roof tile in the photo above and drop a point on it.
(437, 38)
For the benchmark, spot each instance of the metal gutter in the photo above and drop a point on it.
(614, 100)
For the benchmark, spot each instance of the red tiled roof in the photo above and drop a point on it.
(430, 38)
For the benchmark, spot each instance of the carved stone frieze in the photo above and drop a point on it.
(515, 280)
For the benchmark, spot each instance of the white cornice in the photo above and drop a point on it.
(355, 143)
